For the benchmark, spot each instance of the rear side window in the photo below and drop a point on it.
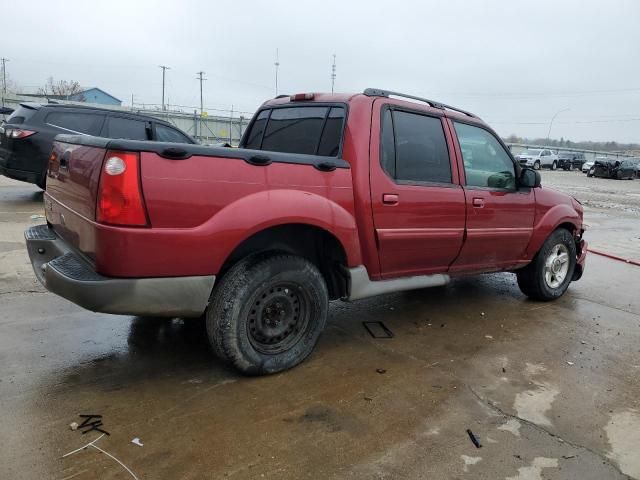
(311, 130)
(21, 115)
(414, 148)
(87, 123)
(120, 127)
(168, 134)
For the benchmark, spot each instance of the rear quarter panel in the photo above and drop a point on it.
(203, 207)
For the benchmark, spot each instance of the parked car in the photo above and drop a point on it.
(571, 160)
(538, 158)
(586, 166)
(613, 168)
(260, 238)
(27, 137)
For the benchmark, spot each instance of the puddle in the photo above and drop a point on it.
(534, 471)
(469, 461)
(623, 433)
(512, 425)
(533, 404)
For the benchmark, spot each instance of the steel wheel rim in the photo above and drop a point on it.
(278, 318)
(556, 266)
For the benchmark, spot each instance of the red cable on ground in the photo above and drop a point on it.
(614, 257)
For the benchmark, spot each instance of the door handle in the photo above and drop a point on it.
(390, 198)
(478, 202)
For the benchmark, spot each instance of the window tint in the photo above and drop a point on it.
(294, 130)
(387, 147)
(254, 137)
(330, 140)
(88, 123)
(313, 130)
(120, 127)
(168, 134)
(419, 148)
(486, 163)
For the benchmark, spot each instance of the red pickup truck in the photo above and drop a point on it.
(328, 197)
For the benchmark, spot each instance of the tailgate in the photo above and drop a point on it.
(72, 189)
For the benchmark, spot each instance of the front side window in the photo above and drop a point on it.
(87, 123)
(170, 135)
(311, 130)
(486, 162)
(413, 148)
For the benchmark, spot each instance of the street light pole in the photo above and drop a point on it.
(552, 119)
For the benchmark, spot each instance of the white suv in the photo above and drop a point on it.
(538, 158)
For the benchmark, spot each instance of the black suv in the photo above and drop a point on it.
(571, 160)
(27, 137)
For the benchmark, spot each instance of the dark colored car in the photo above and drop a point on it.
(571, 160)
(27, 137)
(620, 169)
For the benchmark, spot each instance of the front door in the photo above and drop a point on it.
(417, 200)
(500, 214)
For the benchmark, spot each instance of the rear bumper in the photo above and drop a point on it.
(65, 273)
(22, 175)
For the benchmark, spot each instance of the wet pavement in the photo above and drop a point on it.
(550, 389)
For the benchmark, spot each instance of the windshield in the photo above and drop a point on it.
(533, 151)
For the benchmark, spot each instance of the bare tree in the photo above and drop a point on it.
(63, 88)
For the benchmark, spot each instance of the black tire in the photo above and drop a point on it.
(532, 278)
(267, 313)
(554, 165)
(536, 165)
(619, 175)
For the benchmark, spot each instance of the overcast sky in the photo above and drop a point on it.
(515, 63)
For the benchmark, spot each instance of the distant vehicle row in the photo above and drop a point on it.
(625, 169)
(542, 157)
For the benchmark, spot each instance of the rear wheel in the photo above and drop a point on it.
(548, 275)
(267, 313)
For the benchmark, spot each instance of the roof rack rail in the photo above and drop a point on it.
(378, 92)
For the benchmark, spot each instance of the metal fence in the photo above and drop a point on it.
(205, 129)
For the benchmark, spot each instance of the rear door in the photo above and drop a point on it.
(417, 201)
(500, 215)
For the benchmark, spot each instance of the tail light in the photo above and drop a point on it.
(120, 200)
(18, 133)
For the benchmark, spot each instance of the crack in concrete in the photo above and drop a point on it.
(538, 428)
(23, 291)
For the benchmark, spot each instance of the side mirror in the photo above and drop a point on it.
(530, 178)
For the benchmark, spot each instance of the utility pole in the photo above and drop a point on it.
(333, 73)
(231, 126)
(277, 65)
(4, 75)
(202, 79)
(164, 69)
(132, 101)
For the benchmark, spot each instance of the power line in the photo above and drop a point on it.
(164, 69)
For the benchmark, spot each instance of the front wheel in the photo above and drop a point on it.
(267, 313)
(536, 165)
(554, 165)
(591, 172)
(548, 275)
